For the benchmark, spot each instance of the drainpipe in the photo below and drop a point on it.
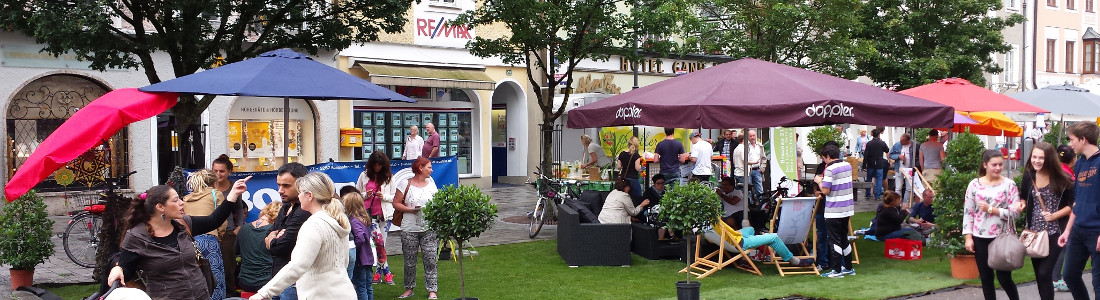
(1034, 40)
(1023, 47)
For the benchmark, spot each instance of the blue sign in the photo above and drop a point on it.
(262, 189)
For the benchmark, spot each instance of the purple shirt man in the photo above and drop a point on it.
(431, 145)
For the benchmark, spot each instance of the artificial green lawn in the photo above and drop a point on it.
(534, 270)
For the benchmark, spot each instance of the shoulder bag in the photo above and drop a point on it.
(398, 216)
(204, 264)
(1006, 253)
(1036, 242)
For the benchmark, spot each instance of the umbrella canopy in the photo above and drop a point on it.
(88, 127)
(1063, 99)
(750, 93)
(965, 96)
(990, 123)
(961, 119)
(280, 73)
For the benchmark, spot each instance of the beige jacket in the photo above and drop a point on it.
(202, 203)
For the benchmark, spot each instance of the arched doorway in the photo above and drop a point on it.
(39, 108)
(509, 130)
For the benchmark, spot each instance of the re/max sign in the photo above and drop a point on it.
(433, 28)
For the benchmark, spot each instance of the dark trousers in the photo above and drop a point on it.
(229, 259)
(1081, 247)
(822, 239)
(981, 255)
(1044, 269)
(840, 250)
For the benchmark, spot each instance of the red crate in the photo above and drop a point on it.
(903, 249)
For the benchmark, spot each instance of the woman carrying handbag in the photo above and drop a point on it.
(990, 209)
(1048, 192)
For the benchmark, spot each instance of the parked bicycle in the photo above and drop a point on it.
(551, 193)
(81, 237)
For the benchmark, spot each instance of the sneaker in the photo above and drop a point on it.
(377, 278)
(1060, 286)
(389, 279)
(848, 272)
(832, 274)
(805, 262)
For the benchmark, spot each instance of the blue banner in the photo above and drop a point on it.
(263, 190)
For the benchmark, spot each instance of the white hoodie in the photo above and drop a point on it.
(318, 264)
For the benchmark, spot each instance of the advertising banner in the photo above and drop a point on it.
(783, 158)
(263, 190)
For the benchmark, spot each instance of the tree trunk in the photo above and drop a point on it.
(110, 234)
(461, 278)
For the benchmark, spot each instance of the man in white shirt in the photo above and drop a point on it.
(755, 164)
(700, 155)
(414, 146)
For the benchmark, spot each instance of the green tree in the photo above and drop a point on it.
(815, 35)
(196, 34)
(964, 157)
(820, 135)
(550, 38)
(916, 42)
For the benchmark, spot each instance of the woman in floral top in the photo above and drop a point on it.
(1045, 181)
(990, 208)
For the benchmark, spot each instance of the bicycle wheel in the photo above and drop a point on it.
(538, 218)
(81, 239)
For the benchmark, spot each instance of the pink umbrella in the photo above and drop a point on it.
(97, 121)
(965, 96)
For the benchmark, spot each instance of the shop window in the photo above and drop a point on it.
(416, 92)
(38, 109)
(387, 130)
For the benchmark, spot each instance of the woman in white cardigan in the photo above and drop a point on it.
(319, 261)
(618, 208)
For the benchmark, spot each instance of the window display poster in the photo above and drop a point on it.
(442, 117)
(380, 135)
(442, 136)
(454, 149)
(454, 134)
(258, 139)
(236, 143)
(395, 119)
(396, 154)
(293, 141)
(396, 137)
(454, 119)
(427, 118)
(368, 119)
(367, 150)
(412, 119)
(379, 119)
(368, 135)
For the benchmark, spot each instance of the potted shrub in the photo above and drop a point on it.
(689, 208)
(460, 214)
(964, 157)
(25, 237)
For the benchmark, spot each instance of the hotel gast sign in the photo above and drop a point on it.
(653, 65)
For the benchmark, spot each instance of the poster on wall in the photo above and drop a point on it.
(380, 136)
(454, 134)
(427, 118)
(236, 141)
(368, 136)
(258, 139)
(294, 138)
(783, 156)
(395, 119)
(379, 119)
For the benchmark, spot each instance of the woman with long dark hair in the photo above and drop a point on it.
(158, 242)
(1048, 192)
(989, 210)
(378, 193)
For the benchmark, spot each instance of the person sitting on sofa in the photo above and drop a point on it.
(618, 208)
(749, 240)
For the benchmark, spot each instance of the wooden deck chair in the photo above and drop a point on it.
(728, 253)
(852, 238)
(795, 220)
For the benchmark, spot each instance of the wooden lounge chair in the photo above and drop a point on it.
(795, 228)
(728, 253)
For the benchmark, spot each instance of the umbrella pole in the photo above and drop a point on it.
(745, 173)
(1062, 127)
(286, 130)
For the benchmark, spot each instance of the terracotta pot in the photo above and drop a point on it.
(21, 278)
(964, 266)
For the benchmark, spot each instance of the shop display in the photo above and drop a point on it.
(390, 136)
(236, 141)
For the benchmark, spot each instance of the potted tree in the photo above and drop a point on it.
(690, 208)
(460, 214)
(964, 157)
(25, 237)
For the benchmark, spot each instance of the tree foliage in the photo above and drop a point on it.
(916, 42)
(196, 34)
(552, 37)
(820, 135)
(964, 157)
(25, 231)
(460, 213)
(815, 35)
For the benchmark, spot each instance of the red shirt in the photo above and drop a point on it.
(430, 143)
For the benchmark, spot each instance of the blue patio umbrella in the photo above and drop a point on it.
(280, 73)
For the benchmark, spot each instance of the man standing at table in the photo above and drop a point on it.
(668, 152)
(431, 145)
(931, 157)
(754, 164)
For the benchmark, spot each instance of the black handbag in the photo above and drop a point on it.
(204, 264)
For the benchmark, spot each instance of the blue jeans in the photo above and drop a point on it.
(362, 282)
(877, 175)
(290, 293)
(905, 232)
(750, 241)
(1080, 247)
(671, 178)
(822, 239)
(210, 248)
(635, 187)
(757, 181)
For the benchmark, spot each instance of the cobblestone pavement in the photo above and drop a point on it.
(511, 200)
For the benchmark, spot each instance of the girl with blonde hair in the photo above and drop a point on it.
(628, 165)
(363, 256)
(318, 263)
(202, 201)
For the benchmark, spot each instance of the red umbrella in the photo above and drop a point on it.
(97, 121)
(967, 97)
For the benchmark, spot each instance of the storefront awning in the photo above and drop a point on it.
(428, 77)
